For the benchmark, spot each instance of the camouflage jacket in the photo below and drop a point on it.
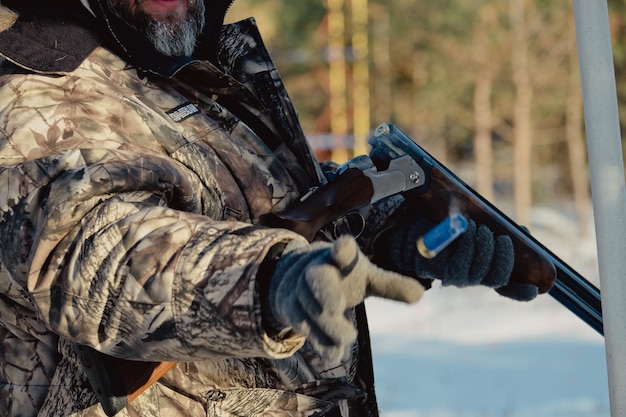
(128, 210)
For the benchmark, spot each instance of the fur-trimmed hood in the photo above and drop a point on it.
(56, 36)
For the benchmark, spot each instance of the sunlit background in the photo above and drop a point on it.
(492, 90)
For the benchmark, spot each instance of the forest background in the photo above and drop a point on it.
(490, 88)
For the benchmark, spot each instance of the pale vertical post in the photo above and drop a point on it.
(607, 183)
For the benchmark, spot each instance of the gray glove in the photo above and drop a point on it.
(313, 286)
(475, 258)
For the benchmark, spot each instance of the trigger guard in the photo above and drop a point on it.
(352, 223)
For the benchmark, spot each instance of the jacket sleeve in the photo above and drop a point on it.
(113, 250)
(112, 266)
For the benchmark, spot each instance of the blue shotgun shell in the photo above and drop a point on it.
(440, 236)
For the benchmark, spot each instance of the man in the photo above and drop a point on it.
(141, 141)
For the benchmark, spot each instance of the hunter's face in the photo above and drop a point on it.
(172, 26)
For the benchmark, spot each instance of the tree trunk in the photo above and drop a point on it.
(360, 75)
(522, 132)
(483, 124)
(381, 56)
(575, 142)
(337, 77)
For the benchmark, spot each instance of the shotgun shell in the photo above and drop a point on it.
(440, 236)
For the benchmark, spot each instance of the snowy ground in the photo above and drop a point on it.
(472, 353)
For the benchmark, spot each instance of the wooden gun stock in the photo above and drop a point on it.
(116, 382)
(349, 192)
(531, 265)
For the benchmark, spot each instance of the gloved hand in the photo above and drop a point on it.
(475, 258)
(313, 286)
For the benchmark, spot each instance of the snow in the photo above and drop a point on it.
(470, 352)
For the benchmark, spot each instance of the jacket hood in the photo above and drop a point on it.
(44, 37)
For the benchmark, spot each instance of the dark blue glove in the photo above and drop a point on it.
(477, 257)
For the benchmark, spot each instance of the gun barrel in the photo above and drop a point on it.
(578, 295)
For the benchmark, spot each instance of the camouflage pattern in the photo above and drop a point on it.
(128, 211)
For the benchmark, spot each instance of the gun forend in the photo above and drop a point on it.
(443, 190)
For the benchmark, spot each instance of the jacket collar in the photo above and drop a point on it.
(46, 43)
(57, 39)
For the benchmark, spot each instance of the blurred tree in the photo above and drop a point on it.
(578, 166)
(295, 34)
(617, 9)
(522, 120)
(483, 87)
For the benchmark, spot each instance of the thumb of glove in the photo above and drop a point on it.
(313, 286)
(361, 278)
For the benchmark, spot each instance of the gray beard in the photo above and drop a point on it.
(177, 38)
(171, 36)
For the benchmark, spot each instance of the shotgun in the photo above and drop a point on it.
(396, 164)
